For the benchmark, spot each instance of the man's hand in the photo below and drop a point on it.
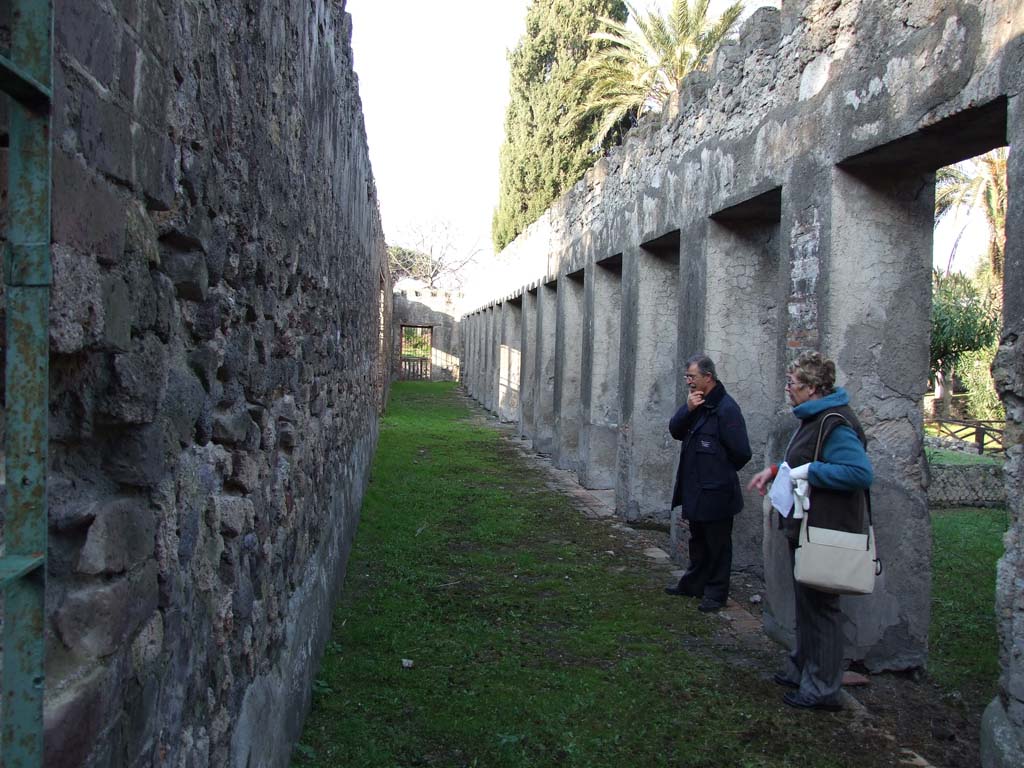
(695, 400)
(760, 481)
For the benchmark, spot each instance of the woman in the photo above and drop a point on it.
(839, 481)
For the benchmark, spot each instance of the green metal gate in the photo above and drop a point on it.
(26, 75)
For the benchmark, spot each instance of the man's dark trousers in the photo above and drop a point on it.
(710, 560)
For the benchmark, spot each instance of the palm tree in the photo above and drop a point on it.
(977, 183)
(635, 72)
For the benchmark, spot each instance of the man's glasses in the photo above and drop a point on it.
(794, 384)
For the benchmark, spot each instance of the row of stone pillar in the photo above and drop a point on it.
(588, 362)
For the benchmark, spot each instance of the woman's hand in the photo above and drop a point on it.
(760, 481)
(799, 473)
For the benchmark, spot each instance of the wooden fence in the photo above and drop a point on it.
(415, 369)
(987, 436)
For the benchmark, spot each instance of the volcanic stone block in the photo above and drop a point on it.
(95, 619)
(73, 718)
(140, 236)
(232, 427)
(105, 137)
(205, 360)
(245, 473)
(87, 35)
(187, 270)
(121, 536)
(155, 169)
(94, 215)
(76, 301)
(136, 456)
(183, 403)
(137, 385)
(118, 312)
(233, 514)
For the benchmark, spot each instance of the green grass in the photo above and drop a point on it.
(941, 456)
(530, 644)
(963, 654)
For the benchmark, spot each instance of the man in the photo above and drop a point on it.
(715, 447)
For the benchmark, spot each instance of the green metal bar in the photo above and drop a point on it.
(22, 86)
(13, 567)
(27, 274)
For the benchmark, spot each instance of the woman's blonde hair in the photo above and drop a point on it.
(815, 370)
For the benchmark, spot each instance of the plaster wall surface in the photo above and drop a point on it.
(820, 126)
(216, 373)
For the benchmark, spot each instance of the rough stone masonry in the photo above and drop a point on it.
(784, 203)
(217, 369)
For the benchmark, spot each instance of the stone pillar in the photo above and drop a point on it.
(1002, 726)
(544, 384)
(473, 345)
(875, 323)
(509, 360)
(528, 377)
(602, 318)
(647, 455)
(491, 344)
(743, 323)
(692, 310)
(473, 353)
(568, 363)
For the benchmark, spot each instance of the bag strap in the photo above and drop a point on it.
(823, 435)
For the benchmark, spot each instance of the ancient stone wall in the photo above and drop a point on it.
(217, 370)
(971, 485)
(434, 309)
(785, 205)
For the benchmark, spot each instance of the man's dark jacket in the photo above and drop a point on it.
(715, 447)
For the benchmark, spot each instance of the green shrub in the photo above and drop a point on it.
(975, 371)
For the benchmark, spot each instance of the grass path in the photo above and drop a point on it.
(486, 622)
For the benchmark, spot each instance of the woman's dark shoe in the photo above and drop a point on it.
(779, 678)
(707, 605)
(798, 700)
(681, 591)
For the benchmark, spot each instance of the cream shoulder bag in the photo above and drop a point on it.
(837, 561)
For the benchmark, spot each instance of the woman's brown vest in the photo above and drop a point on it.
(840, 510)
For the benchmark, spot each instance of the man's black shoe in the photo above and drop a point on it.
(780, 678)
(707, 605)
(798, 700)
(680, 591)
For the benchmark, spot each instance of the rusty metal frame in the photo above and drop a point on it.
(26, 75)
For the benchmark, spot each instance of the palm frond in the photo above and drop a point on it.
(635, 71)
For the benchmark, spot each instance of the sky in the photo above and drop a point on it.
(433, 80)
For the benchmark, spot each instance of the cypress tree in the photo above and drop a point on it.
(546, 150)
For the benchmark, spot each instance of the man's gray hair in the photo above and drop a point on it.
(704, 364)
